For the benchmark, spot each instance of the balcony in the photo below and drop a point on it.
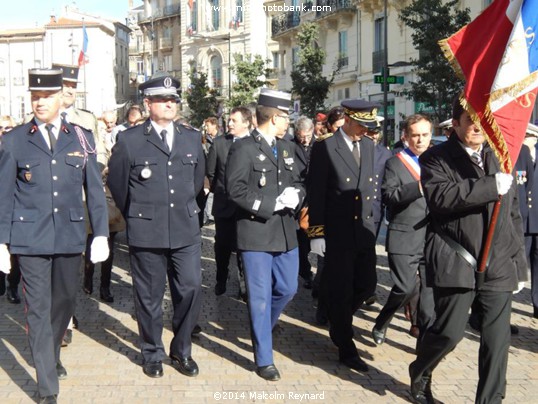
(171, 10)
(325, 7)
(165, 43)
(377, 60)
(342, 62)
(18, 81)
(284, 22)
(168, 11)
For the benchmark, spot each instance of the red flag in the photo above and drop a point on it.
(497, 58)
(83, 55)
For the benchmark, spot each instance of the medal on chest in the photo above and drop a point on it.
(146, 172)
(263, 181)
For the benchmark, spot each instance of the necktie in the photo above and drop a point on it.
(163, 137)
(275, 150)
(64, 116)
(356, 153)
(52, 138)
(477, 159)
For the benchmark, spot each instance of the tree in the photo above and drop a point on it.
(431, 21)
(201, 99)
(308, 81)
(248, 71)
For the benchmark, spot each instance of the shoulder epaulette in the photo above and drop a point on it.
(187, 126)
(323, 137)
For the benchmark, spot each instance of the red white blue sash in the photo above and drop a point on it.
(412, 166)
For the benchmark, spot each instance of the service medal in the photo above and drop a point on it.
(285, 153)
(262, 180)
(28, 176)
(146, 172)
(261, 157)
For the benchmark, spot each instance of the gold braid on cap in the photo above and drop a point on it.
(368, 116)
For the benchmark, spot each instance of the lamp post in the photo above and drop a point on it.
(385, 74)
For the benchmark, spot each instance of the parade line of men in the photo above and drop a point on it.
(437, 200)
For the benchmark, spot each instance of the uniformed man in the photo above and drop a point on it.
(155, 172)
(340, 196)
(262, 179)
(45, 165)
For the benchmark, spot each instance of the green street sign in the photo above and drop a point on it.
(378, 79)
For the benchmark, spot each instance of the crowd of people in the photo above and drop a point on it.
(71, 182)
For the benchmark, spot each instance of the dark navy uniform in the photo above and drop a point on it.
(42, 218)
(156, 190)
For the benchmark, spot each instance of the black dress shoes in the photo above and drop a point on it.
(60, 371)
(196, 331)
(269, 372)
(106, 296)
(220, 288)
(379, 335)
(421, 388)
(48, 400)
(371, 300)
(153, 369)
(185, 366)
(355, 363)
(12, 295)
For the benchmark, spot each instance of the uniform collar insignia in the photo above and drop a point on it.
(33, 129)
(148, 128)
(64, 129)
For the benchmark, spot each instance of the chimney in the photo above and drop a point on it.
(52, 19)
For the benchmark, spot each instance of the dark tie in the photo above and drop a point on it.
(355, 152)
(477, 159)
(275, 150)
(163, 137)
(52, 138)
(64, 116)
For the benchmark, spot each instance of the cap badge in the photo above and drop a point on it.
(38, 80)
(167, 82)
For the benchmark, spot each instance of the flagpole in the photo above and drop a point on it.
(85, 91)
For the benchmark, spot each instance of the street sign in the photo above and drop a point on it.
(378, 79)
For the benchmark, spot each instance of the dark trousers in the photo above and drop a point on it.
(305, 270)
(106, 266)
(225, 244)
(404, 270)
(14, 276)
(452, 307)
(271, 280)
(50, 291)
(149, 268)
(348, 279)
(531, 245)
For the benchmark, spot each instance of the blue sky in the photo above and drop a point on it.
(32, 13)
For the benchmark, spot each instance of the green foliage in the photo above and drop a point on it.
(308, 81)
(248, 71)
(431, 21)
(201, 99)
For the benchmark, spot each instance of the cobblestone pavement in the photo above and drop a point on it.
(103, 362)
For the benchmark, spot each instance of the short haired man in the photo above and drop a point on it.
(223, 210)
(46, 165)
(461, 181)
(407, 216)
(155, 172)
(340, 195)
(263, 181)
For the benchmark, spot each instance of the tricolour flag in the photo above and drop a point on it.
(497, 56)
(83, 55)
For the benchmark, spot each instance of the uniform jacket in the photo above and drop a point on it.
(524, 172)
(340, 195)
(41, 196)
(406, 210)
(381, 155)
(302, 155)
(215, 170)
(155, 189)
(254, 179)
(460, 197)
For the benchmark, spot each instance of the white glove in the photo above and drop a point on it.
(99, 249)
(289, 197)
(317, 246)
(5, 261)
(520, 286)
(279, 205)
(504, 182)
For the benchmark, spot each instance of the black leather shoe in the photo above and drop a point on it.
(153, 369)
(196, 331)
(48, 400)
(68, 337)
(514, 330)
(186, 366)
(371, 300)
(60, 371)
(106, 296)
(535, 312)
(355, 363)
(220, 288)
(88, 285)
(421, 389)
(321, 315)
(2, 284)
(269, 372)
(379, 335)
(13, 295)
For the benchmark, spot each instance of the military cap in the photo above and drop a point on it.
(446, 124)
(532, 130)
(161, 84)
(362, 111)
(320, 117)
(45, 79)
(275, 99)
(70, 73)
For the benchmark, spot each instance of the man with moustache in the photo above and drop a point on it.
(45, 166)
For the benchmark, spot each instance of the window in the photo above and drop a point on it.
(140, 67)
(19, 108)
(37, 64)
(342, 49)
(18, 74)
(275, 60)
(167, 63)
(215, 15)
(194, 18)
(216, 72)
(346, 93)
(379, 34)
(2, 73)
(239, 10)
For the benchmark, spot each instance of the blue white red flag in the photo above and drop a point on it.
(497, 56)
(83, 55)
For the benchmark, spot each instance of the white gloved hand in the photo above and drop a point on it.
(317, 246)
(99, 249)
(5, 261)
(520, 286)
(289, 197)
(279, 205)
(504, 182)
